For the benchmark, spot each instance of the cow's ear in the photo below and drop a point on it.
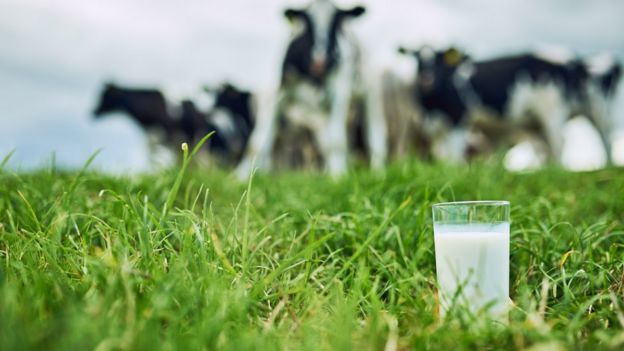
(405, 51)
(230, 90)
(292, 14)
(110, 86)
(356, 11)
(453, 57)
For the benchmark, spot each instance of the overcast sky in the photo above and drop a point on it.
(54, 55)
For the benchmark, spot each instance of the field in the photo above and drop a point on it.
(192, 259)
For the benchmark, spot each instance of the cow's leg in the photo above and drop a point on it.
(606, 138)
(397, 116)
(601, 117)
(152, 149)
(376, 129)
(261, 141)
(334, 145)
(552, 111)
(447, 143)
(547, 103)
(455, 145)
(158, 146)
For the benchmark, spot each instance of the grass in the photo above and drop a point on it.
(298, 261)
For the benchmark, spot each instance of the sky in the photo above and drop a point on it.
(55, 56)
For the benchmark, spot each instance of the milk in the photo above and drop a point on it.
(475, 258)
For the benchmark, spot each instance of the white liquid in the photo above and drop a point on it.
(472, 265)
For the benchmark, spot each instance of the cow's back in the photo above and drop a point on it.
(146, 101)
(494, 80)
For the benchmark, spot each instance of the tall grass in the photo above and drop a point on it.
(298, 261)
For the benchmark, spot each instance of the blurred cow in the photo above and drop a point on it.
(230, 117)
(529, 90)
(321, 76)
(225, 144)
(233, 114)
(147, 107)
(169, 124)
(404, 119)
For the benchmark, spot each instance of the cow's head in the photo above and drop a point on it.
(322, 22)
(234, 101)
(108, 100)
(436, 68)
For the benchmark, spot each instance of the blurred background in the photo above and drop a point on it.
(55, 56)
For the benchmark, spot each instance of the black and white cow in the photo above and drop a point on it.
(233, 110)
(148, 107)
(230, 117)
(226, 144)
(321, 75)
(520, 90)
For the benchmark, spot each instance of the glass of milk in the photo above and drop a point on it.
(472, 255)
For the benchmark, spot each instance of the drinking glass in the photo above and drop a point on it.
(472, 255)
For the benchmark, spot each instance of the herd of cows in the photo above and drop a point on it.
(329, 109)
(231, 118)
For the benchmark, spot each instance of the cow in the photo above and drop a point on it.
(224, 144)
(233, 111)
(147, 107)
(528, 90)
(320, 77)
(171, 123)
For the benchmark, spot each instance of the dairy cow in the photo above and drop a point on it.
(321, 75)
(148, 107)
(531, 90)
(230, 117)
(233, 112)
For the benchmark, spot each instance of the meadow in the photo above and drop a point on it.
(190, 258)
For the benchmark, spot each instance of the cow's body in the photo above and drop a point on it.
(148, 107)
(524, 90)
(321, 74)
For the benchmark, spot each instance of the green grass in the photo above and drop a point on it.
(298, 261)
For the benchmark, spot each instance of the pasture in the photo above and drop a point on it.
(192, 259)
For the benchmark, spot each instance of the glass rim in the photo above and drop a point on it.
(472, 203)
